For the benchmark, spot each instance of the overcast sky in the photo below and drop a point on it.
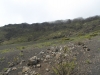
(32, 11)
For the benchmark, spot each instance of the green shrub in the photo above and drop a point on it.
(2, 58)
(21, 54)
(88, 61)
(65, 38)
(93, 34)
(5, 51)
(5, 69)
(64, 68)
(21, 47)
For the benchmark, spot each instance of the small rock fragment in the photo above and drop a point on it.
(48, 57)
(14, 68)
(47, 70)
(38, 65)
(87, 49)
(11, 64)
(25, 69)
(34, 73)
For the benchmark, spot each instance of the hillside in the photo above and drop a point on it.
(60, 29)
(62, 47)
(79, 58)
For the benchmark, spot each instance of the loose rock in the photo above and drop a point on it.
(25, 69)
(48, 57)
(47, 70)
(38, 65)
(33, 61)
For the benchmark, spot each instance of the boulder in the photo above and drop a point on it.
(33, 61)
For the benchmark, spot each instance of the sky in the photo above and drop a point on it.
(33, 11)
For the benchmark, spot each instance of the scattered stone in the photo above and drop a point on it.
(33, 61)
(42, 52)
(34, 73)
(8, 70)
(58, 55)
(11, 64)
(65, 55)
(81, 43)
(48, 57)
(56, 50)
(84, 47)
(22, 62)
(53, 53)
(47, 70)
(14, 68)
(87, 49)
(45, 60)
(38, 65)
(61, 48)
(25, 69)
(38, 59)
(26, 74)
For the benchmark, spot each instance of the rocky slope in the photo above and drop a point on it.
(85, 54)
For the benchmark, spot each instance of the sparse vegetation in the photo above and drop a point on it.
(5, 51)
(21, 47)
(2, 59)
(21, 54)
(65, 66)
(16, 59)
(5, 69)
(88, 61)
